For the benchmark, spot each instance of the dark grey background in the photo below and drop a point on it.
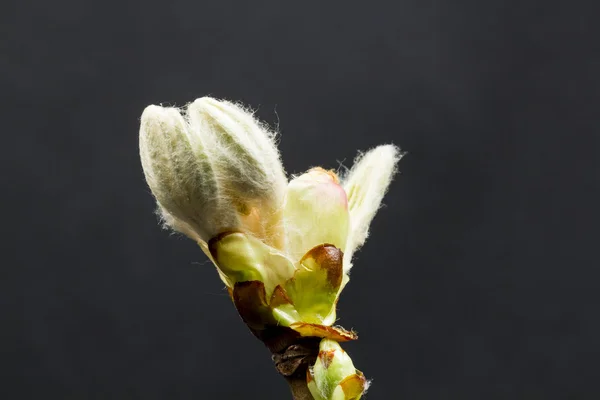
(480, 277)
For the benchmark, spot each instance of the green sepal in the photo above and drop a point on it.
(283, 310)
(314, 288)
(243, 258)
(306, 300)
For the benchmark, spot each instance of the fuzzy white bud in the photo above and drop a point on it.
(217, 170)
(366, 184)
(183, 183)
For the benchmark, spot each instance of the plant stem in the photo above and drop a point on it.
(292, 355)
(298, 386)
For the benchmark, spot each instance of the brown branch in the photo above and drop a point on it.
(292, 355)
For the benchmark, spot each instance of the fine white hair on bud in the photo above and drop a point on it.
(215, 170)
(182, 182)
(366, 184)
(246, 164)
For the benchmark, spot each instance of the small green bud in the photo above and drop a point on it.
(333, 376)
